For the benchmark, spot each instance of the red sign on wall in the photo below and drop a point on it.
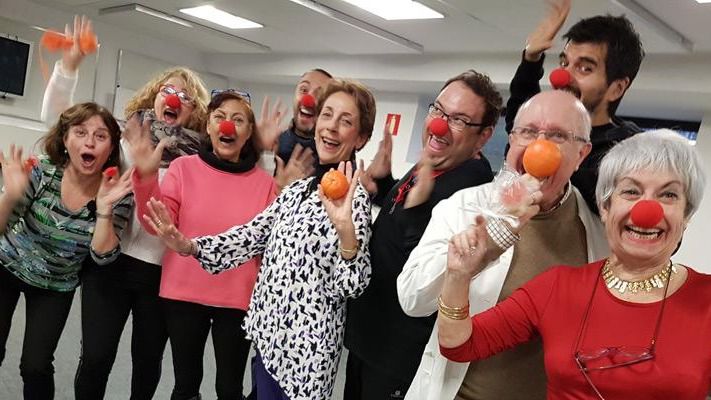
(392, 123)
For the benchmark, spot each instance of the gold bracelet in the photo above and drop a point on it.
(456, 313)
(348, 251)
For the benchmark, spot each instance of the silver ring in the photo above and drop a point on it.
(472, 250)
(158, 223)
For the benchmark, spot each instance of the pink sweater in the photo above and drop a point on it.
(206, 201)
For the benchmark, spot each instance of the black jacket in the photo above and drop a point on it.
(525, 84)
(377, 330)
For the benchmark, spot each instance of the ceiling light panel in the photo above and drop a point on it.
(396, 9)
(220, 17)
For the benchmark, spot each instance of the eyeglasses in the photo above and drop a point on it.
(455, 123)
(167, 90)
(616, 356)
(527, 135)
(240, 93)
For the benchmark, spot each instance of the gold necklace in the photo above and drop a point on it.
(655, 281)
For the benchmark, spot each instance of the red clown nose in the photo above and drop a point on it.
(30, 163)
(560, 78)
(227, 128)
(646, 213)
(110, 172)
(439, 127)
(308, 101)
(173, 101)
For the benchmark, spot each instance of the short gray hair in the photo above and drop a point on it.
(657, 150)
(583, 123)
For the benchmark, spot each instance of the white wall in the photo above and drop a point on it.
(405, 104)
(694, 248)
(97, 78)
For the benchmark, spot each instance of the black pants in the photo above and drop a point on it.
(108, 294)
(188, 327)
(363, 382)
(46, 314)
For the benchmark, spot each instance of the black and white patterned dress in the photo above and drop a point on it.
(297, 313)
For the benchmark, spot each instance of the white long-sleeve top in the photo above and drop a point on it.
(421, 280)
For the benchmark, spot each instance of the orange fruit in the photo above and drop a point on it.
(541, 158)
(334, 184)
(54, 41)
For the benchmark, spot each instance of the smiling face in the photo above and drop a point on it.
(177, 114)
(313, 82)
(551, 111)
(451, 149)
(586, 64)
(88, 145)
(338, 129)
(638, 246)
(226, 146)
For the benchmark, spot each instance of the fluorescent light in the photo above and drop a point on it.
(219, 17)
(397, 9)
(703, 1)
(361, 25)
(145, 10)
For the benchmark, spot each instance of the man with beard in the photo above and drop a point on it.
(302, 125)
(603, 55)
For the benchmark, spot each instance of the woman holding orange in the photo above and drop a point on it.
(175, 102)
(314, 256)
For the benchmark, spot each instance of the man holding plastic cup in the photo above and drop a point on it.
(532, 221)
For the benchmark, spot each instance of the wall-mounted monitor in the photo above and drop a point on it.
(14, 65)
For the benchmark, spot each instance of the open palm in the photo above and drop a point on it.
(14, 174)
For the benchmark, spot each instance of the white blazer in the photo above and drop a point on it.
(420, 282)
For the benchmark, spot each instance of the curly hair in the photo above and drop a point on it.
(145, 97)
(483, 87)
(364, 99)
(53, 142)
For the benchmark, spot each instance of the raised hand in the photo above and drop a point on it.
(15, 176)
(366, 180)
(466, 251)
(73, 56)
(146, 157)
(160, 221)
(300, 165)
(421, 190)
(381, 165)
(340, 210)
(112, 189)
(269, 125)
(541, 39)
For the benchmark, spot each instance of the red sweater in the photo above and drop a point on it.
(553, 305)
(206, 201)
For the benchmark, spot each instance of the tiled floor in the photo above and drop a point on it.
(67, 356)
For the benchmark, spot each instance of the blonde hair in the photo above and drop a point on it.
(145, 98)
